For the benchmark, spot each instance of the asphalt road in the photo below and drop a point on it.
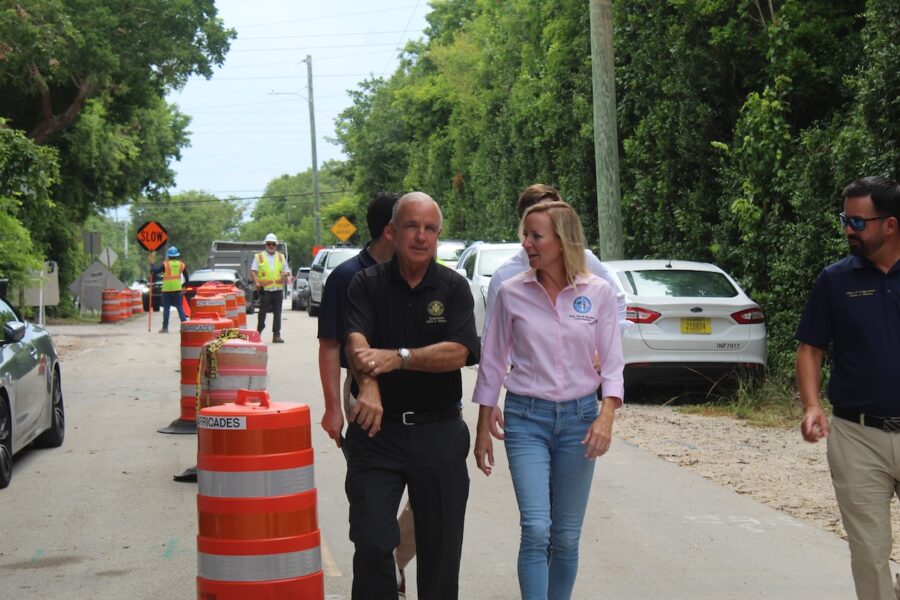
(101, 517)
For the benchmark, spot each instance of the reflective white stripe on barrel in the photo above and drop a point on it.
(191, 352)
(234, 382)
(255, 484)
(228, 383)
(263, 567)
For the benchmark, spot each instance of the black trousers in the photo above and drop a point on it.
(430, 460)
(270, 302)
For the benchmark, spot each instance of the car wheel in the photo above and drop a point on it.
(313, 310)
(53, 437)
(294, 305)
(5, 442)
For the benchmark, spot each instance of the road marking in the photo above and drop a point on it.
(329, 565)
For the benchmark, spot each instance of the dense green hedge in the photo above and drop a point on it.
(739, 123)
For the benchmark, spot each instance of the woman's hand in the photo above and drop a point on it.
(484, 445)
(599, 434)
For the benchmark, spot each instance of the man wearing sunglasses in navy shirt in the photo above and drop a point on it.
(854, 309)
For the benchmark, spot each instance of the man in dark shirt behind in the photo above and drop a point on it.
(854, 307)
(410, 329)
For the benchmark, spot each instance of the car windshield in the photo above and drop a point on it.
(223, 276)
(491, 258)
(336, 257)
(450, 251)
(693, 284)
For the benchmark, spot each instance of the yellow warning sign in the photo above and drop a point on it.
(343, 229)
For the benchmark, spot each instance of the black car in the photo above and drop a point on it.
(145, 293)
(227, 276)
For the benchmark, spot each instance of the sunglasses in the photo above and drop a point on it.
(858, 223)
(270, 244)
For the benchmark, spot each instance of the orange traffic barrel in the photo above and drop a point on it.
(241, 298)
(231, 307)
(111, 308)
(195, 332)
(230, 365)
(125, 303)
(209, 302)
(258, 534)
(137, 304)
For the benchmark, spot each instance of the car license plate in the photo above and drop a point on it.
(696, 325)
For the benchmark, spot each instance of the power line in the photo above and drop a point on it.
(307, 20)
(328, 35)
(299, 195)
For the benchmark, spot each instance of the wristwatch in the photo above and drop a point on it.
(404, 357)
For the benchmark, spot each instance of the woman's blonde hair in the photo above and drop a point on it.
(567, 227)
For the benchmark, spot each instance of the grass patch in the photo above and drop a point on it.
(86, 319)
(772, 402)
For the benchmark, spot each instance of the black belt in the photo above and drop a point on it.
(889, 424)
(420, 418)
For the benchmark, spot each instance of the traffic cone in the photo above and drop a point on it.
(186, 306)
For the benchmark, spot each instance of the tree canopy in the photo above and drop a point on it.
(739, 123)
(88, 78)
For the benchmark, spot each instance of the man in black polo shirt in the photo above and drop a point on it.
(854, 307)
(331, 346)
(410, 329)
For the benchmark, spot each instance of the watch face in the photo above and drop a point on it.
(404, 353)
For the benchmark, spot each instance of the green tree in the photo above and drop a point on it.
(27, 172)
(286, 209)
(89, 78)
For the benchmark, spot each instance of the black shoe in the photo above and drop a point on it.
(164, 330)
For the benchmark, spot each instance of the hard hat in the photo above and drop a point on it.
(173, 252)
(271, 238)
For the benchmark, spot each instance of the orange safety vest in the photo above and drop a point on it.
(268, 277)
(172, 270)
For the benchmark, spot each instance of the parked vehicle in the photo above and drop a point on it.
(228, 276)
(322, 265)
(477, 263)
(31, 399)
(448, 252)
(146, 290)
(227, 254)
(692, 323)
(300, 290)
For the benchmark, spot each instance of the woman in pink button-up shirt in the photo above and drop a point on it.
(551, 323)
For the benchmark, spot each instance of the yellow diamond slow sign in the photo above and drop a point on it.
(343, 229)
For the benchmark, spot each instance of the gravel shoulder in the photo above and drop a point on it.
(773, 466)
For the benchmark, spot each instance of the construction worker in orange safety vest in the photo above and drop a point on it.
(174, 273)
(270, 272)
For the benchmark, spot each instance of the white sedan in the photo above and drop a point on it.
(692, 323)
(477, 263)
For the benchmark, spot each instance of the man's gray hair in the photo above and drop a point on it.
(415, 197)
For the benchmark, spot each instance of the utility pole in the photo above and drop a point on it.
(606, 141)
(315, 166)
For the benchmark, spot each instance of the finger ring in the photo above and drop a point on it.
(371, 363)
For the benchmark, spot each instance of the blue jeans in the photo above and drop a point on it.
(171, 299)
(552, 480)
